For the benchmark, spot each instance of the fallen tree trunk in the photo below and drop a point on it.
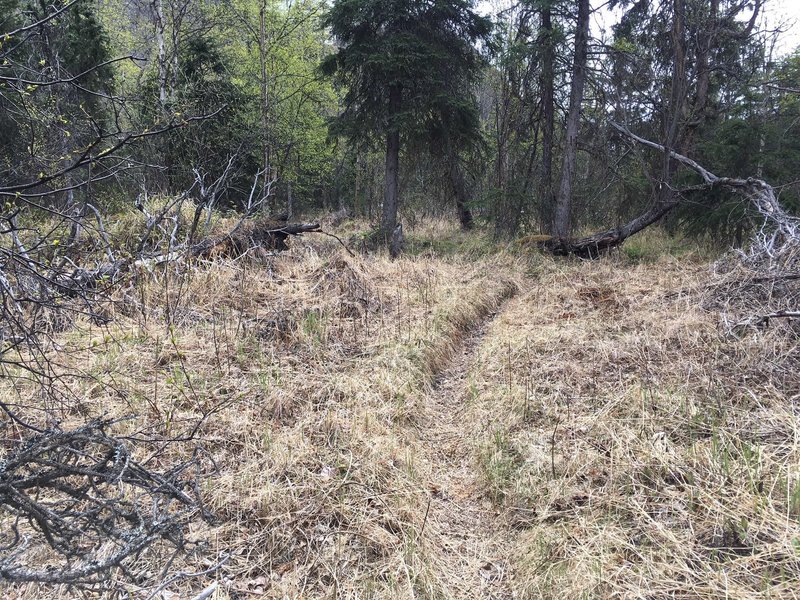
(267, 235)
(264, 235)
(81, 280)
(757, 191)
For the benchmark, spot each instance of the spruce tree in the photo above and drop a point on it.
(407, 66)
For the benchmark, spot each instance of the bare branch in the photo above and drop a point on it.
(88, 157)
(69, 80)
(758, 192)
(707, 176)
(40, 22)
(101, 507)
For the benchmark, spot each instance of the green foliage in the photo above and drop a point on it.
(86, 49)
(213, 57)
(425, 48)
(452, 243)
(300, 99)
(204, 87)
(221, 57)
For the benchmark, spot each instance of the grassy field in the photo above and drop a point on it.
(470, 420)
(639, 450)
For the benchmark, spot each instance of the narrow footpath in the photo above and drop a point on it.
(472, 540)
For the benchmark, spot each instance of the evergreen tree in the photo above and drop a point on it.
(407, 66)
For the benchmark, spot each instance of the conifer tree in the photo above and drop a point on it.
(407, 66)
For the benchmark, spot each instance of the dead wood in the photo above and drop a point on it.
(76, 506)
(760, 280)
(266, 235)
(763, 320)
(81, 279)
(757, 191)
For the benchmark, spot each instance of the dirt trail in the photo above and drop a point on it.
(472, 541)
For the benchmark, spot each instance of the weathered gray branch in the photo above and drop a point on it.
(757, 191)
(707, 175)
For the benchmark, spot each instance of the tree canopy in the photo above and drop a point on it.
(407, 67)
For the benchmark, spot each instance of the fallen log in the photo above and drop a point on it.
(82, 280)
(757, 191)
(588, 247)
(267, 235)
(264, 235)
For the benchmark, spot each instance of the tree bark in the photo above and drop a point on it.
(461, 194)
(548, 116)
(677, 105)
(391, 194)
(561, 221)
(357, 191)
(158, 11)
(266, 234)
(289, 201)
(262, 59)
(705, 46)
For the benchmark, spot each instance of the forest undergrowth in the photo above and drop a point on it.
(624, 441)
(640, 447)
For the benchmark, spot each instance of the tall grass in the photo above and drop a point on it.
(303, 377)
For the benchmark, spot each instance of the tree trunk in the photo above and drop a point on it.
(262, 59)
(357, 186)
(548, 117)
(461, 194)
(561, 221)
(158, 10)
(706, 44)
(677, 104)
(390, 199)
(289, 201)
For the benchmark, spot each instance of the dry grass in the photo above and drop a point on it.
(308, 374)
(639, 451)
(633, 447)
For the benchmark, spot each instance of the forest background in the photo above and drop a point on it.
(224, 100)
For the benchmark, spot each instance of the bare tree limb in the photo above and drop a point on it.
(757, 191)
(40, 22)
(89, 156)
(707, 176)
(68, 80)
(763, 320)
(100, 508)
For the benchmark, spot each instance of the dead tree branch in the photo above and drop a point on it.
(80, 504)
(763, 320)
(758, 192)
(265, 234)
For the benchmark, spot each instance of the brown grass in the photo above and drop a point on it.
(639, 451)
(313, 369)
(631, 445)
